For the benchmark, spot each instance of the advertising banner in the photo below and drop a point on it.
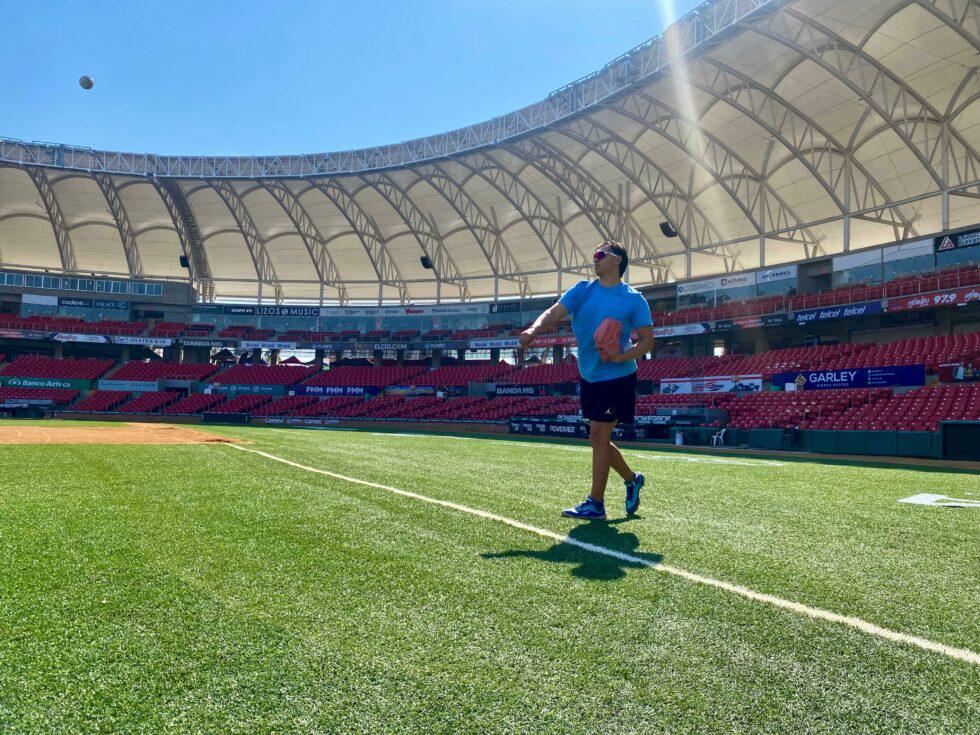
(712, 384)
(133, 386)
(959, 297)
(844, 311)
(72, 302)
(548, 427)
(383, 346)
(336, 390)
(654, 419)
(109, 305)
(490, 344)
(705, 286)
(566, 339)
(250, 390)
(410, 390)
(313, 311)
(12, 381)
(966, 239)
(542, 427)
(505, 307)
(736, 281)
(396, 311)
(519, 390)
(783, 273)
(292, 421)
(90, 338)
(680, 330)
(149, 341)
(880, 377)
(260, 345)
(202, 343)
(754, 322)
(20, 334)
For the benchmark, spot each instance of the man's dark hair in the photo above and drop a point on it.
(617, 249)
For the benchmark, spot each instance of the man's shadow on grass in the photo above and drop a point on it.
(587, 563)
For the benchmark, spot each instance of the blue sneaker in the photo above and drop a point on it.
(590, 509)
(633, 494)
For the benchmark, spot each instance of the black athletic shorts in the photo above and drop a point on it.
(610, 400)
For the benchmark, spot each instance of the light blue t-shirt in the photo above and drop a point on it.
(589, 302)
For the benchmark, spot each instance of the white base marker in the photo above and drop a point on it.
(940, 500)
(961, 654)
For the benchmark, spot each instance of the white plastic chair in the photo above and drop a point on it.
(718, 439)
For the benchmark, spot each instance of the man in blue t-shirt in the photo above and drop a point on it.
(608, 384)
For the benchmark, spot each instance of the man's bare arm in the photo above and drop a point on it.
(644, 344)
(555, 314)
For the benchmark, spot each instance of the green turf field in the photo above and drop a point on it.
(207, 589)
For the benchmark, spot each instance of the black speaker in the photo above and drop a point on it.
(426, 262)
(667, 230)
(184, 262)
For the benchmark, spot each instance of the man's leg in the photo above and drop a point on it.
(618, 463)
(600, 436)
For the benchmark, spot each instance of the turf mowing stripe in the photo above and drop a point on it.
(962, 654)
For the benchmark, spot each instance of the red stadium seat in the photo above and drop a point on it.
(38, 366)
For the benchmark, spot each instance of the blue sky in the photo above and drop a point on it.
(294, 77)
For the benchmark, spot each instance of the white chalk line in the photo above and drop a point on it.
(962, 654)
(682, 458)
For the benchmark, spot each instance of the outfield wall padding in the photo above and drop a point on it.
(882, 443)
(852, 442)
(766, 438)
(823, 442)
(915, 444)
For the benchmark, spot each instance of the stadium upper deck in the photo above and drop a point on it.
(752, 133)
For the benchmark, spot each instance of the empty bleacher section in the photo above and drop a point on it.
(263, 375)
(149, 371)
(326, 406)
(918, 410)
(793, 409)
(196, 403)
(246, 332)
(72, 325)
(543, 375)
(647, 405)
(101, 400)
(169, 329)
(283, 406)
(929, 351)
(910, 285)
(785, 360)
(377, 377)
(240, 404)
(453, 375)
(38, 366)
(151, 402)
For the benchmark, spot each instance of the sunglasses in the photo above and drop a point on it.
(600, 254)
